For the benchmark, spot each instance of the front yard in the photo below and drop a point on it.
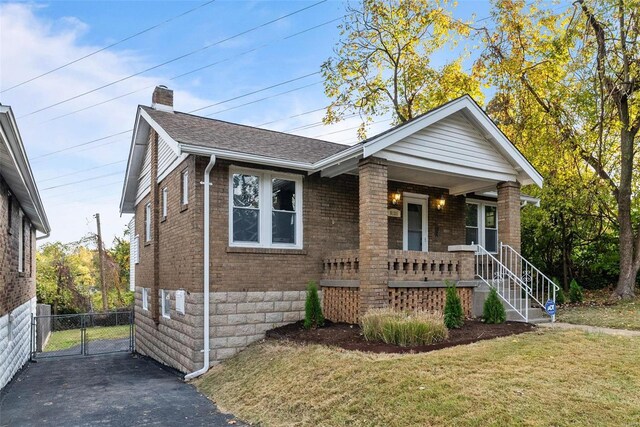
(541, 378)
(597, 311)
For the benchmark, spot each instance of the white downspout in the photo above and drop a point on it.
(207, 180)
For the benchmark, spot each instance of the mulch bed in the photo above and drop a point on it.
(350, 337)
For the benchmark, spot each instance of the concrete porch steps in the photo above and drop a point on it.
(536, 314)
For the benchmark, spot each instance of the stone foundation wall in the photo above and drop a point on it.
(237, 319)
(15, 340)
(241, 318)
(175, 341)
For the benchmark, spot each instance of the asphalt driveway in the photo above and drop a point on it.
(107, 390)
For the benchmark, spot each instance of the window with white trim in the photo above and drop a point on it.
(21, 244)
(184, 199)
(145, 298)
(482, 224)
(165, 202)
(147, 222)
(265, 209)
(166, 303)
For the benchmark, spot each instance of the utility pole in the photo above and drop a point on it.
(101, 257)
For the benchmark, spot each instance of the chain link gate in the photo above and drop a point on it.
(82, 334)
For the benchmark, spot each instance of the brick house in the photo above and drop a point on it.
(231, 222)
(21, 214)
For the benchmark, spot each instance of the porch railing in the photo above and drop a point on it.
(540, 288)
(509, 286)
(401, 265)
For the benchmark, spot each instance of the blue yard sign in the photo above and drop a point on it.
(550, 308)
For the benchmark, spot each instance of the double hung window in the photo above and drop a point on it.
(265, 209)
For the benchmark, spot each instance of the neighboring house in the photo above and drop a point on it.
(21, 214)
(253, 215)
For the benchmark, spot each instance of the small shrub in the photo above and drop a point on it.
(560, 297)
(453, 313)
(403, 328)
(493, 310)
(575, 292)
(313, 317)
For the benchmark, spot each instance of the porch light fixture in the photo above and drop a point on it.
(395, 197)
(440, 203)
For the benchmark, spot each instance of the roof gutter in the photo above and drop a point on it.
(44, 236)
(243, 157)
(207, 196)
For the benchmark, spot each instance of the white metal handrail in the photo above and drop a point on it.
(509, 286)
(539, 287)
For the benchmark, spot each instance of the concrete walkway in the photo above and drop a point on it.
(592, 329)
(108, 390)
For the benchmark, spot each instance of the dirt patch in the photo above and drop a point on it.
(350, 337)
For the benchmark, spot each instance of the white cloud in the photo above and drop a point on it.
(31, 44)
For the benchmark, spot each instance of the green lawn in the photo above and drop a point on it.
(622, 315)
(542, 378)
(62, 340)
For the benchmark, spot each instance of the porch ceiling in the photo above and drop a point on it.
(454, 183)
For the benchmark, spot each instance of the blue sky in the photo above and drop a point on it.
(37, 37)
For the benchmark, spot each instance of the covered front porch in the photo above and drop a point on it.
(427, 191)
(416, 238)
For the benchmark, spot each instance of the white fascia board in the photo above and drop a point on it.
(503, 142)
(473, 187)
(339, 168)
(467, 104)
(244, 157)
(525, 198)
(16, 150)
(140, 139)
(352, 152)
(383, 141)
(131, 175)
(161, 132)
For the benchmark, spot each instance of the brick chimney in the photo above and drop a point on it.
(162, 98)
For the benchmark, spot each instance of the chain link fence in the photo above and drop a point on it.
(83, 334)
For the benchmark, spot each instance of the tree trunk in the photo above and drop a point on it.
(628, 269)
(565, 267)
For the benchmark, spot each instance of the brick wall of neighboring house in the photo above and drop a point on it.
(15, 288)
(445, 227)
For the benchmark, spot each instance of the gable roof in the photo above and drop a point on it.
(16, 171)
(211, 133)
(189, 134)
(465, 105)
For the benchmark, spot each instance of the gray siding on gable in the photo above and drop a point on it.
(166, 158)
(454, 141)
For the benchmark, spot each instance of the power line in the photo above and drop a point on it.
(263, 99)
(80, 145)
(207, 46)
(196, 69)
(255, 91)
(139, 33)
(80, 171)
(83, 180)
(291, 117)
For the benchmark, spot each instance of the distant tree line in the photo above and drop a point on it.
(68, 276)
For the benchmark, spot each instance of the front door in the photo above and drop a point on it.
(415, 224)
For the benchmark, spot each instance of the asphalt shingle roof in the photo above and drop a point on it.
(212, 133)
